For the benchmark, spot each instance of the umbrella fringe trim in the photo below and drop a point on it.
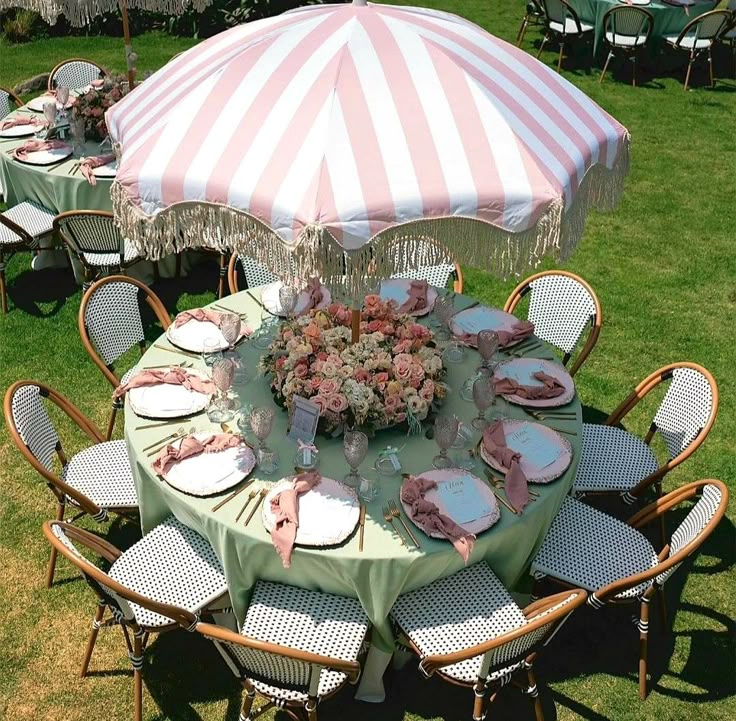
(410, 245)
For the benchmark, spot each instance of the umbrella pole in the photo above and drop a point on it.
(355, 324)
(128, 47)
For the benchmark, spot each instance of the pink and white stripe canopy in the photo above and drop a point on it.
(334, 124)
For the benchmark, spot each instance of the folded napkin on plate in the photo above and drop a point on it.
(21, 120)
(417, 299)
(285, 508)
(199, 314)
(550, 388)
(521, 329)
(428, 517)
(172, 376)
(314, 291)
(494, 443)
(191, 446)
(89, 164)
(33, 146)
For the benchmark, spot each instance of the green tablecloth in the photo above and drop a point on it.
(668, 19)
(385, 568)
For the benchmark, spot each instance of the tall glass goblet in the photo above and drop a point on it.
(487, 347)
(484, 394)
(230, 328)
(445, 433)
(49, 112)
(261, 423)
(78, 131)
(62, 97)
(443, 310)
(223, 371)
(287, 299)
(355, 447)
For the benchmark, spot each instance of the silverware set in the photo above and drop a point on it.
(549, 416)
(178, 351)
(180, 432)
(259, 304)
(222, 309)
(184, 364)
(390, 512)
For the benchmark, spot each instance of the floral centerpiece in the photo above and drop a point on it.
(392, 375)
(93, 104)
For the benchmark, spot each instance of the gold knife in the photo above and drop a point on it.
(361, 521)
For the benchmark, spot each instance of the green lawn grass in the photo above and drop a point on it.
(664, 267)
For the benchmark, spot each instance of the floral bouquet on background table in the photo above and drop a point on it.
(92, 105)
(392, 375)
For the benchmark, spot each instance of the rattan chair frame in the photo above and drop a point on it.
(596, 319)
(59, 488)
(529, 19)
(50, 85)
(92, 273)
(12, 97)
(222, 636)
(569, 11)
(694, 52)
(429, 665)
(654, 511)
(626, 50)
(153, 302)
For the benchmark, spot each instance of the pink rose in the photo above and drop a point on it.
(301, 370)
(320, 402)
(280, 362)
(329, 387)
(381, 379)
(391, 403)
(374, 326)
(361, 375)
(96, 112)
(322, 356)
(315, 383)
(337, 403)
(402, 369)
(400, 417)
(403, 346)
(388, 329)
(372, 301)
(417, 372)
(427, 390)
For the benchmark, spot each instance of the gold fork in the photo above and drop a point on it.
(164, 440)
(251, 496)
(390, 519)
(261, 496)
(394, 511)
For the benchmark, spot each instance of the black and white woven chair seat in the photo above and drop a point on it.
(625, 41)
(570, 27)
(102, 473)
(310, 621)
(690, 42)
(612, 459)
(588, 548)
(172, 564)
(32, 217)
(457, 612)
(103, 260)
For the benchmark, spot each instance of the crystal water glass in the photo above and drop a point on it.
(287, 299)
(261, 423)
(211, 350)
(230, 326)
(355, 447)
(62, 97)
(443, 310)
(262, 339)
(445, 433)
(78, 133)
(223, 371)
(368, 489)
(487, 348)
(484, 394)
(49, 112)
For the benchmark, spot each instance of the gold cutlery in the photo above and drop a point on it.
(505, 503)
(259, 304)
(183, 364)
(181, 433)
(390, 519)
(229, 498)
(361, 522)
(394, 511)
(261, 496)
(178, 351)
(251, 496)
(164, 440)
(155, 425)
(222, 309)
(498, 482)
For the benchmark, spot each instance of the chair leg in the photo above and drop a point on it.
(643, 642)
(541, 46)
(311, 708)
(633, 63)
(605, 67)
(111, 422)
(479, 706)
(249, 696)
(533, 692)
(3, 290)
(689, 68)
(96, 623)
(136, 660)
(559, 58)
(60, 507)
(522, 31)
(223, 274)
(710, 68)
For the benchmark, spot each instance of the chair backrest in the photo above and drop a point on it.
(628, 22)
(707, 26)
(74, 73)
(90, 231)
(559, 11)
(561, 305)
(543, 620)
(8, 102)
(255, 273)
(110, 321)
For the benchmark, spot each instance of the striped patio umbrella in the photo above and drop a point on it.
(341, 139)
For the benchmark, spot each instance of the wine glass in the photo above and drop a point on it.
(483, 396)
(62, 97)
(445, 433)
(487, 347)
(261, 423)
(287, 299)
(262, 338)
(78, 131)
(49, 112)
(223, 371)
(230, 328)
(355, 447)
(443, 310)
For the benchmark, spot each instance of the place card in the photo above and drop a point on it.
(535, 448)
(462, 500)
(523, 373)
(304, 420)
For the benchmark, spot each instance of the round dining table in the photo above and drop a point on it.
(385, 568)
(667, 19)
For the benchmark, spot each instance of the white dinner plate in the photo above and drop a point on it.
(192, 335)
(106, 171)
(46, 157)
(19, 131)
(522, 370)
(270, 299)
(397, 289)
(166, 400)
(37, 103)
(481, 317)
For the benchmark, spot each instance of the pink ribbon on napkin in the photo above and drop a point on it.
(33, 146)
(199, 314)
(89, 164)
(522, 329)
(21, 120)
(191, 446)
(417, 299)
(550, 388)
(314, 291)
(285, 508)
(428, 517)
(172, 376)
(494, 442)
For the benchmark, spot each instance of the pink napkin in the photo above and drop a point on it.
(494, 442)
(21, 120)
(521, 329)
(550, 388)
(198, 314)
(173, 376)
(417, 299)
(190, 446)
(33, 146)
(285, 508)
(314, 289)
(89, 164)
(428, 517)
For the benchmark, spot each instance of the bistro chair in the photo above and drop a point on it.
(171, 572)
(729, 36)
(110, 323)
(253, 272)
(626, 29)
(468, 630)
(561, 306)
(698, 36)
(96, 481)
(614, 461)
(21, 229)
(9, 102)
(534, 15)
(616, 562)
(296, 648)
(563, 22)
(94, 239)
(75, 74)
